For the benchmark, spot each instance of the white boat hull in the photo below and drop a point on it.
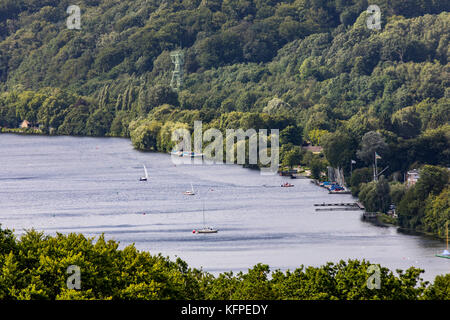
(205, 231)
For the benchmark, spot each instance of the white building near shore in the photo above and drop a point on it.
(412, 177)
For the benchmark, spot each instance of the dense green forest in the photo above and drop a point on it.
(310, 68)
(35, 267)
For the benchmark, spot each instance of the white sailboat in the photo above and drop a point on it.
(145, 178)
(190, 192)
(205, 229)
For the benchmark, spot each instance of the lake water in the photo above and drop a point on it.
(90, 185)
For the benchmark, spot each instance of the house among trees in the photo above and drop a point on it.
(25, 124)
(314, 149)
(412, 177)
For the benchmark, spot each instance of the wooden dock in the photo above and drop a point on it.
(340, 192)
(338, 209)
(340, 204)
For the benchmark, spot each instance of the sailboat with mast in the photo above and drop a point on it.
(205, 229)
(445, 253)
(190, 192)
(144, 178)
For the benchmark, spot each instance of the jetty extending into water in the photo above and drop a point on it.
(341, 206)
(338, 209)
(340, 192)
(346, 206)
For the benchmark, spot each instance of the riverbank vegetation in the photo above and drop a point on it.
(310, 68)
(424, 207)
(35, 267)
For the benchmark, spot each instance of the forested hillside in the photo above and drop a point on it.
(311, 68)
(323, 63)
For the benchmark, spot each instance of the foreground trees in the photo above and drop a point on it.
(34, 267)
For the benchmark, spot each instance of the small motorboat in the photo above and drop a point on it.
(176, 153)
(190, 154)
(286, 185)
(445, 254)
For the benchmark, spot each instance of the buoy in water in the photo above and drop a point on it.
(194, 231)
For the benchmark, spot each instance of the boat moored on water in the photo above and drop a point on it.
(287, 185)
(445, 253)
(144, 178)
(192, 155)
(186, 154)
(206, 230)
(176, 153)
(190, 192)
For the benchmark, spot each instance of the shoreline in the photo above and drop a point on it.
(385, 220)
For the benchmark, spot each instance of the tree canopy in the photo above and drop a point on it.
(35, 267)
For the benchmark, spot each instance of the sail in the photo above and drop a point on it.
(145, 170)
(204, 224)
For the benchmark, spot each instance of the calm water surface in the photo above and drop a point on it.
(90, 185)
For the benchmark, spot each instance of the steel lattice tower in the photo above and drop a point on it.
(177, 58)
